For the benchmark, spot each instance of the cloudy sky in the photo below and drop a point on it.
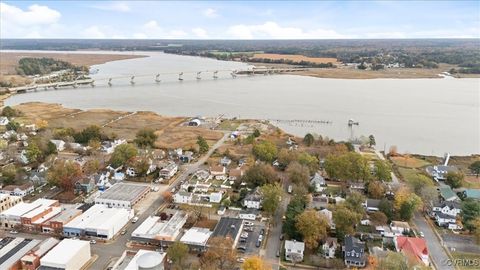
(239, 20)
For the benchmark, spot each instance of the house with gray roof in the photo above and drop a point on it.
(317, 182)
(354, 252)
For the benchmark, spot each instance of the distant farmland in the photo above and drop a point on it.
(296, 58)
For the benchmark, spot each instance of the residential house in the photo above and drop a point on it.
(203, 175)
(248, 215)
(330, 247)
(131, 172)
(447, 194)
(168, 171)
(253, 200)
(384, 231)
(221, 210)
(182, 197)
(242, 162)
(77, 147)
(38, 178)
(399, 228)
(217, 170)
(109, 146)
(4, 121)
(372, 205)
(186, 157)
(451, 208)
(318, 202)
(85, 185)
(444, 220)
(215, 197)
(15, 190)
(59, 145)
(355, 186)
(119, 176)
(318, 182)
(472, 194)
(328, 215)
(412, 247)
(439, 172)
(235, 174)
(225, 161)
(294, 250)
(354, 252)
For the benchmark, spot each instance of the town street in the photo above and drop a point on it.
(435, 249)
(115, 248)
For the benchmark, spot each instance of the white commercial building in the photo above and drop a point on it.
(196, 238)
(122, 195)
(153, 228)
(13, 216)
(99, 221)
(142, 259)
(68, 254)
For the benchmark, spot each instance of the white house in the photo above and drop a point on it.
(444, 220)
(215, 197)
(182, 197)
(20, 191)
(225, 161)
(318, 182)
(294, 250)
(247, 215)
(330, 247)
(252, 201)
(131, 172)
(328, 215)
(372, 205)
(451, 208)
(399, 227)
(59, 144)
(4, 121)
(169, 171)
(109, 147)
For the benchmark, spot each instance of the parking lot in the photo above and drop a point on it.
(250, 242)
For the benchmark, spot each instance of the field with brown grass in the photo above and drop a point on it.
(124, 124)
(296, 58)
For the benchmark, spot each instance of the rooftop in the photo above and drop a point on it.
(154, 227)
(447, 193)
(144, 258)
(99, 217)
(64, 251)
(124, 192)
(15, 250)
(69, 211)
(294, 245)
(23, 208)
(196, 236)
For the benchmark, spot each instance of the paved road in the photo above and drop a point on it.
(114, 249)
(437, 253)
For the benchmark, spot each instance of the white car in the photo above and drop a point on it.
(13, 232)
(93, 242)
(248, 223)
(244, 235)
(240, 259)
(134, 219)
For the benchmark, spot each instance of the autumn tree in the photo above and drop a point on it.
(298, 174)
(202, 145)
(271, 197)
(348, 166)
(308, 139)
(378, 218)
(64, 174)
(122, 154)
(9, 173)
(167, 196)
(177, 253)
(376, 189)
(312, 226)
(254, 263)
(265, 151)
(33, 152)
(89, 133)
(454, 179)
(355, 202)
(420, 181)
(386, 207)
(285, 156)
(259, 175)
(406, 203)
(145, 137)
(345, 219)
(220, 254)
(309, 161)
(91, 166)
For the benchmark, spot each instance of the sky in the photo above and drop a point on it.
(239, 20)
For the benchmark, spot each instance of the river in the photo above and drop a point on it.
(424, 116)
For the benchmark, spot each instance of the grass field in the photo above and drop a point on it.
(466, 258)
(471, 181)
(170, 133)
(409, 162)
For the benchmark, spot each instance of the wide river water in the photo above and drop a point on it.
(425, 116)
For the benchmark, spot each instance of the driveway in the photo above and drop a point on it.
(435, 249)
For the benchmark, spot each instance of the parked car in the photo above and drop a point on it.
(13, 232)
(278, 253)
(260, 238)
(242, 249)
(123, 232)
(244, 235)
(93, 242)
(258, 243)
(262, 231)
(134, 219)
(240, 259)
(281, 237)
(422, 235)
(248, 223)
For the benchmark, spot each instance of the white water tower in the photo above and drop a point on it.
(150, 261)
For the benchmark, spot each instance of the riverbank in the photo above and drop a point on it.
(9, 63)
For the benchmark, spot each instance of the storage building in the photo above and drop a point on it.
(68, 254)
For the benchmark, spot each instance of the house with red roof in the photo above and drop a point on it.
(412, 247)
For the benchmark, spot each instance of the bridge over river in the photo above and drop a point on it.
(155, 78)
